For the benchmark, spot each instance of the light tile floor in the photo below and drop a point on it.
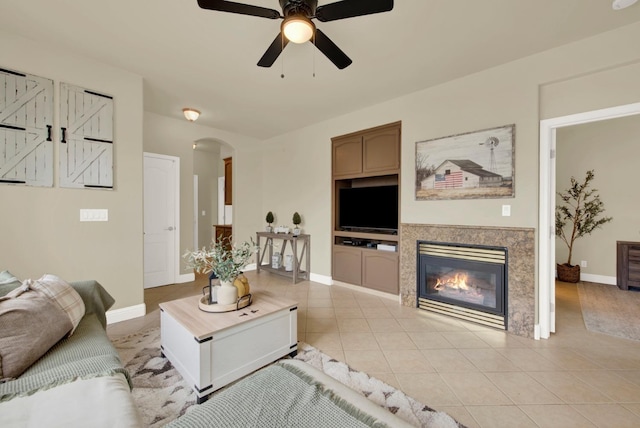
(482, 377)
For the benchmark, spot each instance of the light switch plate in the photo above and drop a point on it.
(94, 214)
(506, 210)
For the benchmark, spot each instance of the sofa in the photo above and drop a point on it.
(79, 381)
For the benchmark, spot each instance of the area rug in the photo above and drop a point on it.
(162, 395)
(609, 310)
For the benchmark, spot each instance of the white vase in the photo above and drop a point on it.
(227, 293)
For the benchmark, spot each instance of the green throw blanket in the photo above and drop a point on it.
(86, 354)
(277, 396)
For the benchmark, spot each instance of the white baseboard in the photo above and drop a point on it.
(322, 279)
(186, 277)
(601, 279)
(377, 293)
(249, 267)
(124, 314)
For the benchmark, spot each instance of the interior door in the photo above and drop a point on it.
(160, 204)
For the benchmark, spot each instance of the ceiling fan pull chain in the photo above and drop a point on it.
(314, 54)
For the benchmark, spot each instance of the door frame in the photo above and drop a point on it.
(177, 278)
(546, 301)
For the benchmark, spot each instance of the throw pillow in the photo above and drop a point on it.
(30, 324)
(8, 282)
(62, 294)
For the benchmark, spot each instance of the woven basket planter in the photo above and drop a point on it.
(567, 273)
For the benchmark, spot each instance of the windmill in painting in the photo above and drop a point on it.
(466, 166)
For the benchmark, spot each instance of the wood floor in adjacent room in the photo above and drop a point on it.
(480, 376)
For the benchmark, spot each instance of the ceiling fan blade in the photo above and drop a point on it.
(243, 9)
(350, 8)
(331, 50)
(273, 51)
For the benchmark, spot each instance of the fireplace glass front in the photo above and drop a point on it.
(468, 281)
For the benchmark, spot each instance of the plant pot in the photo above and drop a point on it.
(268, 229)
(227, 293)
(568, 273)
(296, 231)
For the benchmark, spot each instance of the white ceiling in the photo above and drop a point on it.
(207, 60)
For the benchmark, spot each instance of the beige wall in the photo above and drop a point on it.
(612, 149)
(175, 137)
(513, 93)
(292, 172)
(41, 231)
(205, 166)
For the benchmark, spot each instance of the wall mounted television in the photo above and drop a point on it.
(372, 208)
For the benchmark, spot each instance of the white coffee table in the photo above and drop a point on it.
(211, 350)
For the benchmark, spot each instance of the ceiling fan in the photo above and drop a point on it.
(297, 26)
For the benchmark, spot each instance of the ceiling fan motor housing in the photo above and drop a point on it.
(299, 7)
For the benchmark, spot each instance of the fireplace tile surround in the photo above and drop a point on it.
(520, 243)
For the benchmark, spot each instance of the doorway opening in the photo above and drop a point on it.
(546, 204)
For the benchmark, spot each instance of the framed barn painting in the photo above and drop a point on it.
(474, 165)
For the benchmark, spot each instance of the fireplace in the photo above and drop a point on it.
(463, 281)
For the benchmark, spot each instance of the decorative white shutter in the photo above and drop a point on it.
(26, 147)
(86, 138)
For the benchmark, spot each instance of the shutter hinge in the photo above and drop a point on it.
(553, 154)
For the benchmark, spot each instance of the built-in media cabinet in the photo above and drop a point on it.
(366, 208)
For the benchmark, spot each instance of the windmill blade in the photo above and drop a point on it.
(351, 8)
(241, 8)
(331, 50)
(273, 51)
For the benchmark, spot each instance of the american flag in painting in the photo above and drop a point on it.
(452, 180)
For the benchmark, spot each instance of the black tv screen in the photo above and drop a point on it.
(369, 208)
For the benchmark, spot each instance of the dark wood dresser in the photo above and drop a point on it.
(628, 264)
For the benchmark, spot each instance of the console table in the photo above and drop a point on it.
(302, 242)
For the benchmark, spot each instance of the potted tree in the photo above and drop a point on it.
(296, 223)
(269, 219)
(581, 209)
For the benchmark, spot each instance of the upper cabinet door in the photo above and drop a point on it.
(26, 147)
(347, 156)
(228, 181)
(381, 150)
(86, 138)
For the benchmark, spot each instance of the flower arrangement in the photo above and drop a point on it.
(223, 258)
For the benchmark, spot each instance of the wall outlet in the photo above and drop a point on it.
(506, 210)
(583, 263)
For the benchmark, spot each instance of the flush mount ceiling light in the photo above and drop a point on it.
(191, 114)
(622, 4)
(298, 28)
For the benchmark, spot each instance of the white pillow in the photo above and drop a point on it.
(64, 295)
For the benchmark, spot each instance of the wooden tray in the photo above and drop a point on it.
(242, 302)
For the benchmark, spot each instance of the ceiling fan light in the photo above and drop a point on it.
(298, 28)
(191, 114)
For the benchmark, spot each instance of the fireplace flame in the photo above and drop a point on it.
(457, 282)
